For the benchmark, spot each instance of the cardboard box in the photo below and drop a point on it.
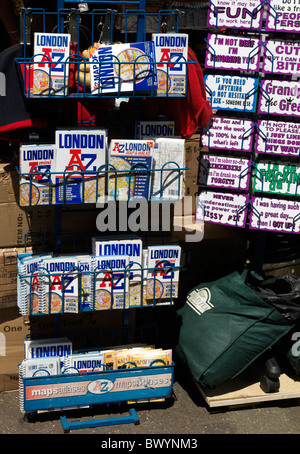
(13, 330)
(8, 276)
(192, 152)
(16, 222)
(9, 180)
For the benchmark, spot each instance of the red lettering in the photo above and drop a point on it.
(75, 160)
(165, 57)
(106, 280)
(46, 58)
(56, 281)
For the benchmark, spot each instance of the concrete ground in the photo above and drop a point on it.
(186, 415)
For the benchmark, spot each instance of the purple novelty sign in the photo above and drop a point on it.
(278, 138)
(224, 172)
(245, 14)
(281, 57)
(283, 16)
(279, 97)
(232, 52)
(222, 208)
(231, 134)
(275, 215)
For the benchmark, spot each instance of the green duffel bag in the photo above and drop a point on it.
(224, 327)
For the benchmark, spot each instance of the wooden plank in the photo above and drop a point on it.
(244, 391)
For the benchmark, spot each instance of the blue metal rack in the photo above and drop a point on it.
(70, 390)
(70, 20)
(153, 297)
(81, 177)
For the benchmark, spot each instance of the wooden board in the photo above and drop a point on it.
(246, 390)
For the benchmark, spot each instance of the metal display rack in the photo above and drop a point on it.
(93, 388)
(149, 295)
(264, 35)
(99, 21)
(106, 172)
(74, 389)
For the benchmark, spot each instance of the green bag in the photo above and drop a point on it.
(225, 326)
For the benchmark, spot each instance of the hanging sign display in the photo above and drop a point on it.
(283, 16)
(275, 215)
(246, 14)
(224, 172)
(281, 57)
(232, 93)
(222, 208)
(278, 138)
(239, 53)
(277, 178)
(279, 97)
(229, 134)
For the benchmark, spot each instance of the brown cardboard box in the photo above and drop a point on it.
(90, 329)
(16, 222)
(38, 223)
(8, 276)
(12, 334)
(9, 180)
(192, 152)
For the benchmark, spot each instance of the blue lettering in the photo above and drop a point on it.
(35, 155)
(52, 40)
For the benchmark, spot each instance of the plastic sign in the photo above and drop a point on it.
(278, 138)
(246, 14)
(222, 208)
(239, 53)
(232, 93)
(281, 57)
(283, 16)
(279, 97)
(277, 177)
(275, 215)
(231, 134)
(224, 172)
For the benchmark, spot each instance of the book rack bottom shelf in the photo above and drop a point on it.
(79, 390)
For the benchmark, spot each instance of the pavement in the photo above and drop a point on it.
(185, 416)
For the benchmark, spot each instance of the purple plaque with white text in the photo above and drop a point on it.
(279, 97)
(246, 14)
(239, 53)
(222, 208)
(227, 172)
(280, 138)
(232, 134)
(281, 57)
(275, 215)
(283, 16)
